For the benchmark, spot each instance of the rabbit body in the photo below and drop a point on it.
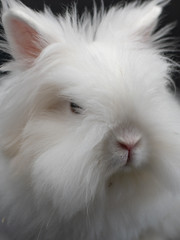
(89, 129)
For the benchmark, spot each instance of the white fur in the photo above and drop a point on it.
(62, 174)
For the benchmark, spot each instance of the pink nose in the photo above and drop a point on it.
(127, 145)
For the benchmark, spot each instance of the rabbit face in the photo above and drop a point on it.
(88, 109)
(83, 119)
(79, 98)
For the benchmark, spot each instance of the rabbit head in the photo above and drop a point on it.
(85, 99)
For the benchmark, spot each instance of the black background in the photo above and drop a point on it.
(171, 14)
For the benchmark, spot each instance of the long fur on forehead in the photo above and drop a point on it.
(69, 26)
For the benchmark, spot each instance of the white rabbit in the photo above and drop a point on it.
(89, 130)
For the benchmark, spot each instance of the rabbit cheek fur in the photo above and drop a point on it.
(77, 97)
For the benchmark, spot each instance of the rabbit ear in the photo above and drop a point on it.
(147, 24)
(24, 36)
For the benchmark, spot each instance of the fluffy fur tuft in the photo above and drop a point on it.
(89, 131)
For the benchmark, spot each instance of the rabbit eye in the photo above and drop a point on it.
(75, 108)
